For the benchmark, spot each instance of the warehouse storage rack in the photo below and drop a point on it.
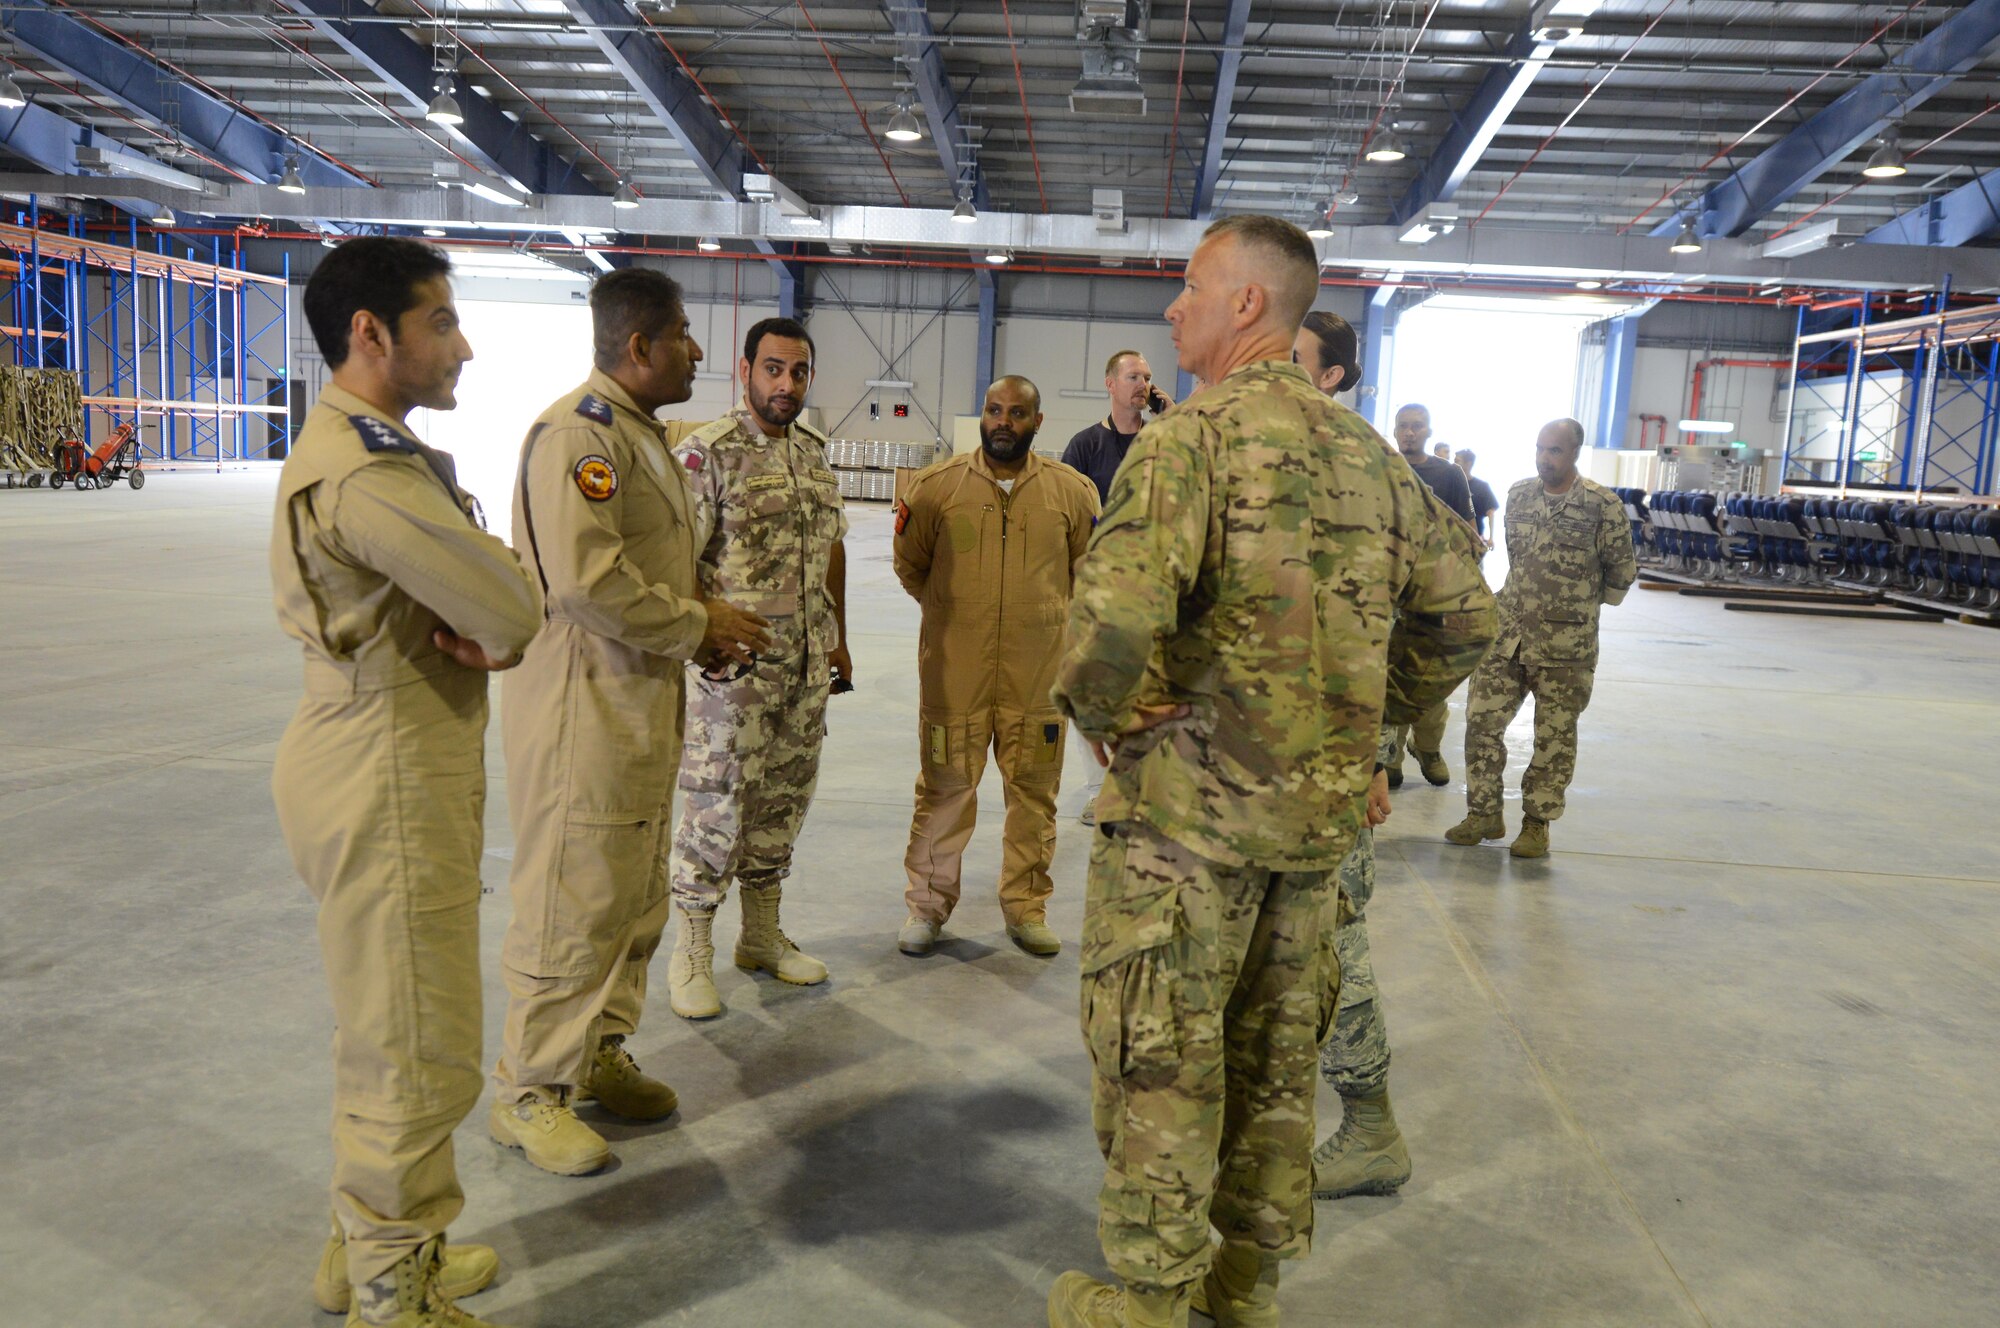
(1905, 405)
(194, 351)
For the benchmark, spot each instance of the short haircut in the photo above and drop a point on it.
(1337, 345)
(1417, 406)
(379, 273)
(1573, 428)
(631, 302)
(1287, 255)
(1024, 381)
(1111, 365)
(1466, 454)
(777, 327)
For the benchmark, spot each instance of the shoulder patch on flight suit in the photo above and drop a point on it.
(902, 515)
(596, 477)
(377, 436)
(594, 407)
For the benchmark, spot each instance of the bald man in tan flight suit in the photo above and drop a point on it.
(593, 720)
(402, 603)
(987, 543)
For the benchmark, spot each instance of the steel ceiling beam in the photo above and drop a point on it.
(1474, 128)
(220, 130)
(912, 21)
(49, 141)
(667, 91)
(1965, 214)
(1922, 71)
(1235, 26)
(507, 149)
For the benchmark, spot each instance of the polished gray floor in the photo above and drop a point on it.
(1726, 1058)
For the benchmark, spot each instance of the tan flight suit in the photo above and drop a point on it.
(380, 784)
(592, 723)
(993, 571)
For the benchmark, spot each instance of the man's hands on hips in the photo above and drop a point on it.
(1143, 718)
(469, 652)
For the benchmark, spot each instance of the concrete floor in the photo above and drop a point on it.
(1717, 1061)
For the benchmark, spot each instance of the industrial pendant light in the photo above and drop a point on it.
(1887, 161)
(291, 182)
(708, 244)
(1386, 146)
(444, 108)
(624, 197)
(903, 126)
(965, 214)
(1317, 226)
(11, 95)
(1688, 243)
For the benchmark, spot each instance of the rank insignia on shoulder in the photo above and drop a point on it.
(377, 436)
(902, 515)
(596, 477)
(694, 460)
(594, 407)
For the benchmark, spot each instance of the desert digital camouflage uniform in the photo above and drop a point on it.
(1355, 1059)
(1567, 554)
(767, 515)
(1256, 543)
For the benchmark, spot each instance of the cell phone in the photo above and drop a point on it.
(1156, 400)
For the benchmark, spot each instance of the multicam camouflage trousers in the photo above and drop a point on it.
(747, 773)
(1206, 992)
(1561, 692)
(1355, 1059)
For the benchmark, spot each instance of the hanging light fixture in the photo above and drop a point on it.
(11, 95)
(435, 232)
(1386, 146)
(1688, 243)
(1887, 161)
(903, 126)
(291, 182)
(1589, 284)
(999, 257)
(708, 244)
(444, 108)
(163, 215)
(964, 214)
(623, 196)
(1317, 226)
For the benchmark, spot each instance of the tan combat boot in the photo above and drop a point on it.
(615, 1080)
(763, 946)
(1476, 827)
(409, 1295)
(1436, 772)
(1036, 937)
(468, 1270)
(691, 990)
(1366, 1155)
(1533, 841)
(1078, 1300)
(1241, 1289)
(548, 1132)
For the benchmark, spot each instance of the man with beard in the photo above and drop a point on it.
(769, 525)
(988, 543)
(592, 721)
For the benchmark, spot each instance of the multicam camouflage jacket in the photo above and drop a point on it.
(1263, 562)
(1567, 553)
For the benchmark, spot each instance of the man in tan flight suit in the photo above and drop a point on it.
(403, 605)
(592, 721)
(988, 542)
(769, 524)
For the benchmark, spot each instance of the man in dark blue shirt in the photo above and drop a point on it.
(1099, 450)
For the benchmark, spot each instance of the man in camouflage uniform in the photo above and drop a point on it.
(1231, 643)
(403, 604)
(769, 524)
(1569, 549)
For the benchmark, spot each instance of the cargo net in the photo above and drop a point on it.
(40, 409)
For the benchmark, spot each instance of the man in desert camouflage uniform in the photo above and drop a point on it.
(1569, 549)
(769, 525)
(1231, 644)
